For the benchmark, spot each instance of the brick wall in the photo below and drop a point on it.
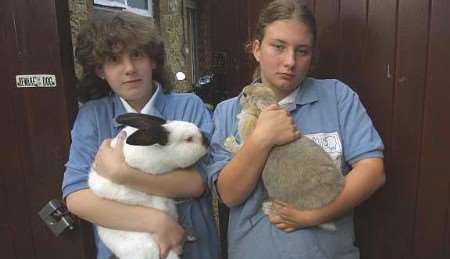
(79, 12)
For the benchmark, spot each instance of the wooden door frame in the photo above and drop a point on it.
(37, 40)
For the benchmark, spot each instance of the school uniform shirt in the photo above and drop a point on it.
(96, 121)
(328, 112)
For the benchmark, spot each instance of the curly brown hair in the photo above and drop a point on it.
(112, 35)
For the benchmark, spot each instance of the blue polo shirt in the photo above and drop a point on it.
(331, 114)
(96, 121)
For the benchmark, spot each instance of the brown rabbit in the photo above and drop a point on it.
(301, 172)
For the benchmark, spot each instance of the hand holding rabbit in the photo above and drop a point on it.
(275, 127)
(169, 236)
(288, 218)
(110, 162)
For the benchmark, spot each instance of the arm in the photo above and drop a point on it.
(110, 163)
(239, 177)
(361, 182)
(367, 175)
(86, 205)
(82, 202)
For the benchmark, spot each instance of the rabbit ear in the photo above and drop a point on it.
(139, 120)
(150, 136)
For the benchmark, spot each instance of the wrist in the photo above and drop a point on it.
(259, 141)
(123, 175)
(154, 220)
(315, 217)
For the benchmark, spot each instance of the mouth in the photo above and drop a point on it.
(131, 81)
(286, 76)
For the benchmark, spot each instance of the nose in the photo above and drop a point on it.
(129, 65)
(289, 58)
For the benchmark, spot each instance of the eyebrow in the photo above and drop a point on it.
(284, 42)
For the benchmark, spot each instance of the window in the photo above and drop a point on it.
(141, 7)
(190, 37)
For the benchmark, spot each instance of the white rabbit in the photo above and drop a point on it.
(152, 146)
(300, 172)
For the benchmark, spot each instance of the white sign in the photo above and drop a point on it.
(35, 81)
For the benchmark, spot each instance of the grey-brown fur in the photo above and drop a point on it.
(300, 172)
(303, 174)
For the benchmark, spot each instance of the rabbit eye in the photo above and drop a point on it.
(188, 139)
(244, 94)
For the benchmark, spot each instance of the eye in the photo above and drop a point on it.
(277, 46)
(136, 53)
(112, 59)
(302, 52)
(244, 94)
(189, 139)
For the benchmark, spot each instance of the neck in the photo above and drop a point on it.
(136, 106)
(279, 94)
(139, 104)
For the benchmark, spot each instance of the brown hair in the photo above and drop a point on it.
(283, 10)
(111, 35)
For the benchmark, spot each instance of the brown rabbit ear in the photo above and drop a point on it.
(147, 137)
(139, 120)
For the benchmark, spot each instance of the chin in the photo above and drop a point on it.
(286, 86)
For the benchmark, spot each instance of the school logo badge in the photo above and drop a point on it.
(331, 143)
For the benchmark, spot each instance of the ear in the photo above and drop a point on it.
(147, 137)
(139, 120)
(153, 64)
(256, 49)
(100, 72)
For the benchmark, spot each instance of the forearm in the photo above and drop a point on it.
(86, 205)
(180, 183)
(239, 177)
(361, 182)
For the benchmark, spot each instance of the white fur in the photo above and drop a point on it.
(154, 159)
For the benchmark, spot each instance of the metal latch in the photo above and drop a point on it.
(57, 217)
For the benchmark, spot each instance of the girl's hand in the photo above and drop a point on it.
(275, 126)
(110, 162)
(288, 218)
(169, 236)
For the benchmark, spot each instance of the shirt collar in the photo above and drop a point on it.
(305, 93)
(152, 107)
(308, 92)
(290, 99)
(147, 107)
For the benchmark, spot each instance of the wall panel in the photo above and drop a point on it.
(403, 177)
(351, 48)
(376, 94)
(432, 228)
(327, 58)
(16, 206)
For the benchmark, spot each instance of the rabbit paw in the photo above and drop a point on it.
(231, 145)
(330, 227)
(266, 207)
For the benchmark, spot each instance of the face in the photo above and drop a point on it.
(130, 77)
(284, 55)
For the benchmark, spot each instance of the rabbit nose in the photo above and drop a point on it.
(205, 140)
